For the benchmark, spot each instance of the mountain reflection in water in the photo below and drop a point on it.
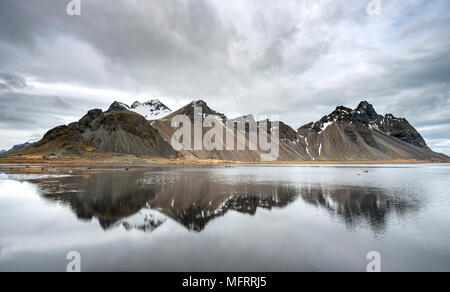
(356, 206)
(143, 200)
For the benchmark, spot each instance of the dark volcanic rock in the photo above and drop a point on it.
(287, 133)
(363, 134)
(365, 119)
(401, 129)
(397, 127)
(366, 114)
(117, 107)
(122, 132)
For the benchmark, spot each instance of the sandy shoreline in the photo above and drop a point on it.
(127, 160)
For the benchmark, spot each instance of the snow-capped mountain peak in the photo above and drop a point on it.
(136, 104)
(151, 110)
(118, 106)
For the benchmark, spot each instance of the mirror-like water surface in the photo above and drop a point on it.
(240, 218)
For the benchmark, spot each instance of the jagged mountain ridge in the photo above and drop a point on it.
(164, 126)
(369, 118)
(363, 134)
(344, 135)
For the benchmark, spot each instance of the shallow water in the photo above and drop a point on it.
(240, 218)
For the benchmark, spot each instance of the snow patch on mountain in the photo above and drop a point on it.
(325, 126)
(146, 220)
(151, 110)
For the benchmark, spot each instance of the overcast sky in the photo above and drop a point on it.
(295, 59)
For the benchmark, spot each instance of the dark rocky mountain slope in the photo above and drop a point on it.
(344, 135)
(363, 134)
(121, 132)
(165, 128)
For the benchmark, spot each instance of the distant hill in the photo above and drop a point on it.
(18, 147)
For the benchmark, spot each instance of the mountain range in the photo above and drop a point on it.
(18, 146)
(145, 130)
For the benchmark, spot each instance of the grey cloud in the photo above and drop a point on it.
(31, 115)
(10, 81)
(21, 110)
